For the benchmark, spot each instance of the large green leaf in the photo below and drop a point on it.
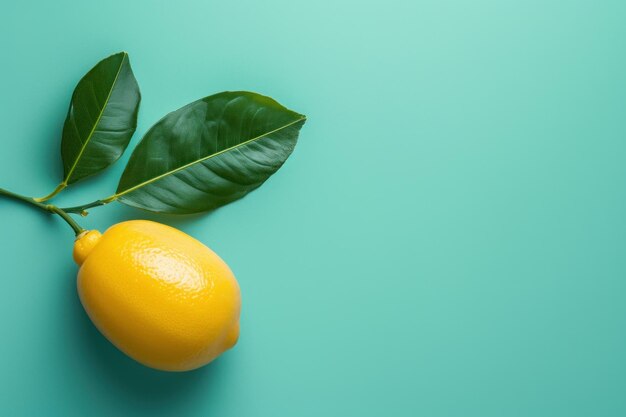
(209, 153)
(101, 119)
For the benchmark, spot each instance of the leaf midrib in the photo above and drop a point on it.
(93, 129)
(183, 167)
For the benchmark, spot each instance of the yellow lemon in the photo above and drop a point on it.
(159, 295)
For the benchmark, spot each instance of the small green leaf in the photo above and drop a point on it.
(209, 153)
(101, 119)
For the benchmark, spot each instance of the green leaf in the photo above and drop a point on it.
(209, 153)
(101, 119)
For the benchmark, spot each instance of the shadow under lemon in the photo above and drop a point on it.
(122, 375)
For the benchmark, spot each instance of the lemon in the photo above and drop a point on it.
(159, 295)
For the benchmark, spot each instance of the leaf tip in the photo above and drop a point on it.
(123, 54)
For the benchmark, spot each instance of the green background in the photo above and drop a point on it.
(447, 239)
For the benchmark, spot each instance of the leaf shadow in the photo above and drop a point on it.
(50, 129)
(124, 213)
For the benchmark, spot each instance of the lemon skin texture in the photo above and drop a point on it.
(159, 295)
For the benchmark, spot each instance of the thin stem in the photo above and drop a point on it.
(56, 191)
(75, 226)
(22, 198)
(44, 207)
(82, 210)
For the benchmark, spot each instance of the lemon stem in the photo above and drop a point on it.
(45, 207)
(75, 226)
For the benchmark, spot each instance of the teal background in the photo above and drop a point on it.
(447, 239)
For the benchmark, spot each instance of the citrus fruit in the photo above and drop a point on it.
(159, 295)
